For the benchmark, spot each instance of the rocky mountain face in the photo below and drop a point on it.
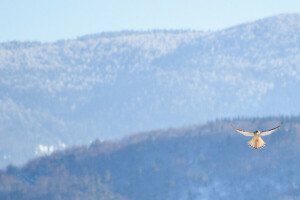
(211, 161)
(109, 85)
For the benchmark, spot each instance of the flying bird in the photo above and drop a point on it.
(256, 142)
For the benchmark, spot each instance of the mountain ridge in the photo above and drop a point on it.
(53, 94)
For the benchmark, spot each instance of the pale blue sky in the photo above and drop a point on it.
(50, 20)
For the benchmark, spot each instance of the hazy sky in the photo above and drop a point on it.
(50, 20)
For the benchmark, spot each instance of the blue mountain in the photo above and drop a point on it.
(109, 85)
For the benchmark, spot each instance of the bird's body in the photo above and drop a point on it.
(256, 142)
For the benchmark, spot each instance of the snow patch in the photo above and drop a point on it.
(48, 149)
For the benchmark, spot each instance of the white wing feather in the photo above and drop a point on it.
(264, 133)
(246, 133)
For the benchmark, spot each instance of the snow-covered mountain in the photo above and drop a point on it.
(109, 85)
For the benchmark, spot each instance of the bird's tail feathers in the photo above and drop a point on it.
(256, 143)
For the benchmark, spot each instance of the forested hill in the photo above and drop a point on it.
(210, 161)
(108, 85)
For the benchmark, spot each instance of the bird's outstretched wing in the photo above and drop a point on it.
(264, 133)
(246, 133)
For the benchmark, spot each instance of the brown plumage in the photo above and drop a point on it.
(256, 142)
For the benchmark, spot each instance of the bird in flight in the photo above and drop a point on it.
(256, 142)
